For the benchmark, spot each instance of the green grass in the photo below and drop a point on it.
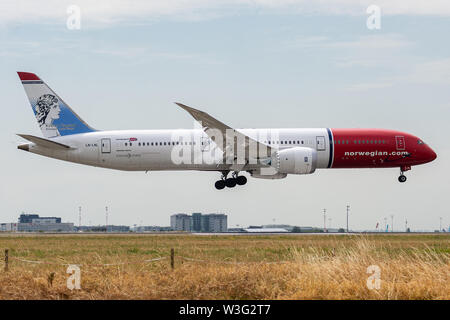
(414, 266)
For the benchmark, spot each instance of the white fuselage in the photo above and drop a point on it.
(146, 150)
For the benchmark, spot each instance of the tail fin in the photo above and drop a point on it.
(54, 116)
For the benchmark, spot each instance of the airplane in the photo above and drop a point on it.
(214, 146)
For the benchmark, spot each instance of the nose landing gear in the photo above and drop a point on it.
(402, 177)
(230, 182)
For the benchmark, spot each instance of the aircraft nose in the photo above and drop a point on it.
(431, 155)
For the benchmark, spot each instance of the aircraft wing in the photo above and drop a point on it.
(44, 142)
(229, 135)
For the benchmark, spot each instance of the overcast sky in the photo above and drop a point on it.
(257, 63)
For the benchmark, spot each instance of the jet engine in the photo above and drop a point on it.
(267, 173)
(297, 160)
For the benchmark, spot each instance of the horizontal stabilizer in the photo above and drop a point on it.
(44, 142)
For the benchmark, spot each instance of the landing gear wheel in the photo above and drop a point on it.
(230, 182)
(402, 178)
(220, 184)
(241, 180)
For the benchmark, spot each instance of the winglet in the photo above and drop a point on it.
(204, 118)
(188, 109)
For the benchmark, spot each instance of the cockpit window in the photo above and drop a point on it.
(420, 142)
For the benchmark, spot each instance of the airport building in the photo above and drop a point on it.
(8, 227)
(199, 222)
(45, 227)
(109, 228)
(34, 218)
(35, 223)
(181, 222)
(214, 223)
(265, 230)
(151, 229)
(113, 228)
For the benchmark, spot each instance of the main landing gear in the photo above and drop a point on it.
(230, 182)
(402, 177)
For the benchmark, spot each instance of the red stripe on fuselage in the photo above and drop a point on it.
(377, 148)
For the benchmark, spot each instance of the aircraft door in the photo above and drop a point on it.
(105, 145)
(105, 151)
(400, 142)
(205, 144)
(320, 143)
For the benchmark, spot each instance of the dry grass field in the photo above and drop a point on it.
(226, 266)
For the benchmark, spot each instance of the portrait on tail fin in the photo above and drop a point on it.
(47, 110)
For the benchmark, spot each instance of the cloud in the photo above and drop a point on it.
(107, 12)
(433, 72)
(370, 85)
(367, 42)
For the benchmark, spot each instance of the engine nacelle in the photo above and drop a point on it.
(267, 173)
(297, 160)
